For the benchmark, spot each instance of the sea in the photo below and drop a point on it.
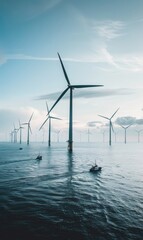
(59, 198)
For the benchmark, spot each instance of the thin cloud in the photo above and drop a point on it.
(132, 63)
(88, 94)
(108, 29)
(93, 123)
(139, 121)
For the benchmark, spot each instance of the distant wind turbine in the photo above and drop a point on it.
(49, 117)
(43, 135)
(88, 134)
(110, 124)
(115, 133)
(138, 132)
(58, 133)
(20, 128)
(28, 128)
(71, 88)
(125, 128)
(11, 136)
(15, 133)
(103, 133)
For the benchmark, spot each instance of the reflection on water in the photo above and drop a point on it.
(58, 197)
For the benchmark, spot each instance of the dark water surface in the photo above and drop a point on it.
(58, 198)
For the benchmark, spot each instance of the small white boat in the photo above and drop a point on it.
(95, 169)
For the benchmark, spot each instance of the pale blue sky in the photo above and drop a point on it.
(100, 42)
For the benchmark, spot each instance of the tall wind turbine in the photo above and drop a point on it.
(71, 88)
(138, 132)
(28, 128)
(110, 124)
(125, 128)
(49, 117)
(20, 128)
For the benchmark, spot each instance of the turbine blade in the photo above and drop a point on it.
(114, 113)
(112, 127)
(85, 86)
(104, 117)
(129, 125)
(47, 107)
(30, 129)
(24, 123)
(43, 123)
(63, 93)
(56, 118)
(31, 117)
(121, 126)
(66, 76)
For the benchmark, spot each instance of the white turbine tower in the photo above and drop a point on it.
(58, 135)
(110, 124)
(28, 128)
(71, 88)
(138, 132)
(125, 129)
(88, 135)
(49, 117)
(15, 133)
(12, 136)
(20, 128)
(103, 134)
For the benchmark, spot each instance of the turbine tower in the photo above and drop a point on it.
(49, 117)
(138, 132)
(88, 134)
(58, 133)
(15, 130)
(70, 88)
(103, 134)
(11, 136)
(20, 128)
(110, 124)
(28, 128)
(125, 128)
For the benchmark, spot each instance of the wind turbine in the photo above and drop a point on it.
(110, 124)
(15, 133)
(125, 128)
(49, 117)
(28, 128)
(103, 133)
(115, 133)
(71, 88)
(20, 128)
(138, 132)
(88, 134)
(58, 133)
(11, 136)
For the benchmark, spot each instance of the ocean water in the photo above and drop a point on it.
(58, 198)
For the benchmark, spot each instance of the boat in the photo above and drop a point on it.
(39, 157)
(20, 148)
(95, 169)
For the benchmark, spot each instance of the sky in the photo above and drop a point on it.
(100, 42)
